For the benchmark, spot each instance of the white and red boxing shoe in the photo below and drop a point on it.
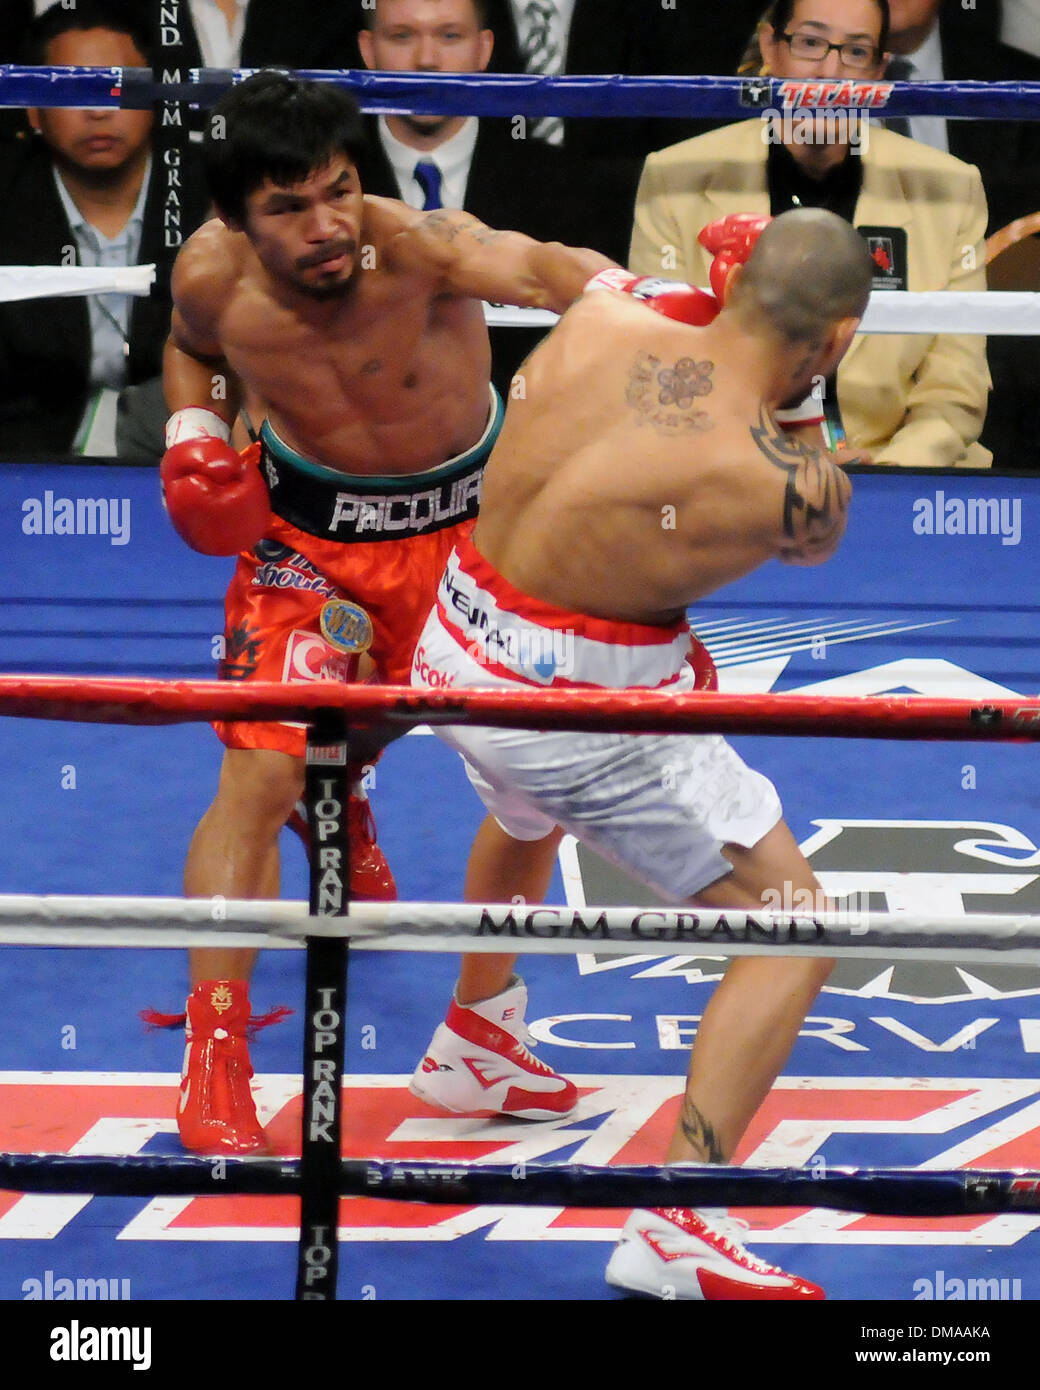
(478, 1064)
(673, 1252)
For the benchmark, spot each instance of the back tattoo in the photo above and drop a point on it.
(663, 397)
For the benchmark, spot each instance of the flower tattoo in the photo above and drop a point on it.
(683, 382)
(662, 397)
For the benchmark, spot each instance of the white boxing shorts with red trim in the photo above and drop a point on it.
(659, 806)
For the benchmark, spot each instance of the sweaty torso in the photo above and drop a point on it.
(392, 378)
(627, 483)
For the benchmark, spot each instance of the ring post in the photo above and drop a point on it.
(327, 793)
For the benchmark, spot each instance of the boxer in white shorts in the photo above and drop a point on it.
(661, 807)
(640, 468)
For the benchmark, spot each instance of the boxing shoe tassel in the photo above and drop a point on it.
(154, 1020)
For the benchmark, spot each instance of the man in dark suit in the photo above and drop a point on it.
(957, 44)
(87, 188)
(948, 42)
(518, 184)
(304, 34)
(641, 38)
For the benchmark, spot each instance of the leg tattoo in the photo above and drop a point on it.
(699, 1133)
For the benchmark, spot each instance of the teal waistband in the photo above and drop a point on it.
(369, 483)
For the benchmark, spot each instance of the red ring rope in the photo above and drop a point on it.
(107, 701)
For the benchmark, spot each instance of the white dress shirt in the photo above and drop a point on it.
(221, 47)
(927, 61)
(109, 317)
(452, 158)
(1020, 26)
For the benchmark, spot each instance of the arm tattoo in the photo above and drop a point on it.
(442, 224)
(663, 397)
(816, 491)
(698, 1132)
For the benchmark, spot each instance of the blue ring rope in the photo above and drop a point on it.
(875, 1191)
(892, 1192)
(510, 94)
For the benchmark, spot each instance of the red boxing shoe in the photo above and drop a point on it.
(370, 876)
(216, 1113)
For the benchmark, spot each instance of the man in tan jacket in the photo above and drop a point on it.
(913, 400)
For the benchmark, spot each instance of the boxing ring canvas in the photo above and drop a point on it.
(933, 1066)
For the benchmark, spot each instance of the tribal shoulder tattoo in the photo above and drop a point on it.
(663, 397)
(816, 493)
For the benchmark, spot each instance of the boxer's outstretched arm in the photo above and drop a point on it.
(474, 260)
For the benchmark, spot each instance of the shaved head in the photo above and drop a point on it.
(809, 270)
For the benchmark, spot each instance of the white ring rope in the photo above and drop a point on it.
(889, 311)
(55, 281)
(46, 921)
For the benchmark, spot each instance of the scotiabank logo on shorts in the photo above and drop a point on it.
(430, 675)
(308, 657)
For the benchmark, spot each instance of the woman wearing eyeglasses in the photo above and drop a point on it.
(911, 400)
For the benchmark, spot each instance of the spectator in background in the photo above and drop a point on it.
(1020, 26)
(911, 400)
(635, 37)
(480, 166)
(957, 44)
(554, 37)
(16, 17)
(87, 187)
(251, 33)
(931, 42)
(301, 34)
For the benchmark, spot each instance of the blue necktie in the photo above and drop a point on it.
(428, 177)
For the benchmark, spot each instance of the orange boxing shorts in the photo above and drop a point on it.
(349, 564)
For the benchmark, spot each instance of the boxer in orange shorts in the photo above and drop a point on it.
(357, 323)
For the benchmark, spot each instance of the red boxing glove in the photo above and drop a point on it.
(673, 298)
(731, 240)
(216, 500)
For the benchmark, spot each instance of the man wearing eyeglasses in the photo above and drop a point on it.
(911, 400)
